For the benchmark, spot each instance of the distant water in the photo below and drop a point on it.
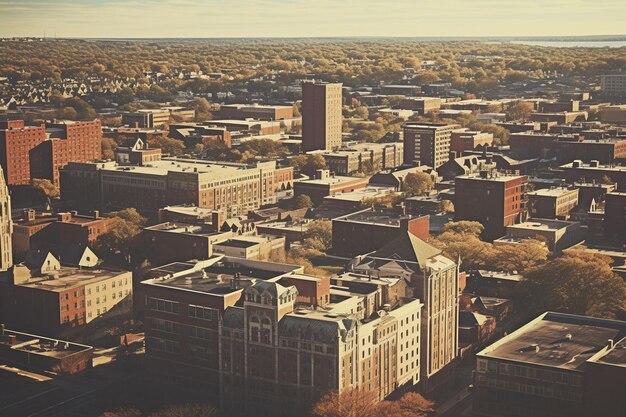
(574, 44)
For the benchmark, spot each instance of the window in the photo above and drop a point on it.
(163, 305)
(165, 326)
(203, 313)
(200, 333)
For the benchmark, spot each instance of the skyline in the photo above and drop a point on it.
(299, 18)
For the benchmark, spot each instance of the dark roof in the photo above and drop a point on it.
(408, 247)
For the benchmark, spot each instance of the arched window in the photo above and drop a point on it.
(266, 331)
(254, 329)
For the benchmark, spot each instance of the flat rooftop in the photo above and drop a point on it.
(499, 177)
(385, 217)
(553, 192)
(619, 168)
(66, 278)
(542, 224)
(333, 180)
(557, 340)
(181, 228)
(362, 193)
(40, 345)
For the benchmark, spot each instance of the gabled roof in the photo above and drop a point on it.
(408, 247)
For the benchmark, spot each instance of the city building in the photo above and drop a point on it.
(395, 178)
(605, 151)
(463, 140)
(421, 105)
(493, 199)
(613, 84)
(42, 295)
(16, 140)
(151, 118)
(578, 171)
(136, 152)
(427, 143)
(557, 234)
(251, 247)
(327, 184)
(365, 157)
(263, 338)
(613, 114)
(424, 273)
(235, 188)
(356, 199)
(370, 229)
(615, 215)
(255, 111)
(321, 116)
(540, 369)
(6, 226)
(44, 353)
(560, 117)
(552, 203)
(39, 230)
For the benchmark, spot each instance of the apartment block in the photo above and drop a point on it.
(493, 199)
(427, 144)
(16, 140)
(321, 116)
(283, 338)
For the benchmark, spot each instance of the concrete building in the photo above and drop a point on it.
(557, 234)
(421, 105)
(613, 84)
(613, 114)
(250, 247)
(605, 151)
(151, 118)
(6, 226)
(493, 199)
(540, 370)
(284, 338)
(44, 353)
(45, 230)
(552, 203)
(365, 157)
(426, 275)
(356, 199)
(321, 116)
(324, 184)
(370, 229)
(235, 188)
(41, 295)
(427, 144)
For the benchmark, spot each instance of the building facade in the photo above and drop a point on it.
(427, 144)
(321, 116)
(6, 226)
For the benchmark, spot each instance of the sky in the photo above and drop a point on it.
(309, 18)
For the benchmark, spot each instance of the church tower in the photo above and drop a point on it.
(6, 226)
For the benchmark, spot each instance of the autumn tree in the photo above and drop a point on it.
(122, 237)
(577, 282)
(417, 183)
(173, 147)
(308, 164)
(319, 235)
(108, 145)
(521, 110)
(358, 403)
(460, 240)
(519, 257)
(45, 186)
(303, 201)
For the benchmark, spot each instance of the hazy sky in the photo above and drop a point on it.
(277, 18)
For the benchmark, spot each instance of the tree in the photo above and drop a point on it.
(173, 147)
(521, 110)
(417, 183)
(319, 235)
(45, 186)
(460, 240)
(464, 227)
(358, 403)
(446, 206)
(308, 164)
(108, 145)
(122, 237)
(303, 201)
(131, 215)
(519, 257)
(578, 282)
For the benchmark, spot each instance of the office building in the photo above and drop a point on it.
(427, 143)
(235, 188)
(284, 339)
(255, 111)
(613, 84)
(540, 370)
(493, 199)
(321, 116)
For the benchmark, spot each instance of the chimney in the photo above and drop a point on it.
(29, 215)
(96, 214)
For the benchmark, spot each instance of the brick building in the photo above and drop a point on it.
(16, 140)
(578, 171)
(284, 338)
(615, 215)
(495, 200)
(605, 151)
(427, 143)
(467, 140)
(421, 105)
(235, 188)
(255, 111)
(370, 229)
(321, 116)
(47, 230)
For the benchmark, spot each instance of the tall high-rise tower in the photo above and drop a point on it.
(6, 226)
(321, 116)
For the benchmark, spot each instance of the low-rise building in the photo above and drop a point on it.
(364, 157)
(356, 199)
(578, 171)
(605, 151)
(615, 216)
(552, 203)
(463, 140)
(541, 368)
(325, 183)
(250, 247)
(558, 234)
